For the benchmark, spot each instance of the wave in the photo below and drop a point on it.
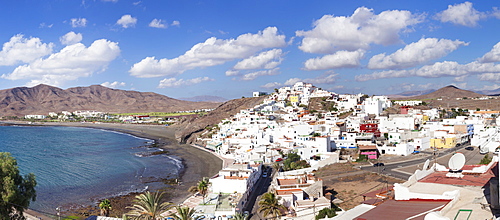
(148, 140)
(177, 162)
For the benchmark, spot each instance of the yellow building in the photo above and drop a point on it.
(443, 142)
(294, 99)
(425, 118)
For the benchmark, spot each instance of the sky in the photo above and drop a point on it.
(232, 48)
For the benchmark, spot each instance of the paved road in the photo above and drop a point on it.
(404, 169)
(260, 188)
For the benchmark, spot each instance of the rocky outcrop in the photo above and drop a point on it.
(189, 129)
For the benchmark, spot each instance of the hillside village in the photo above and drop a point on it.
(282, 126)
(286, 139)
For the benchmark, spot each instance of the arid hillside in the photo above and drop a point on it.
(190, 128)
(43, 99)
(453, 97)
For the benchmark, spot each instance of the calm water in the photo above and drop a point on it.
(81, 165)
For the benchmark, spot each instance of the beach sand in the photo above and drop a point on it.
(197, 163)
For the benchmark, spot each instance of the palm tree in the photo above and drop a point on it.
(149, 206)
(201, 187)
(184, 213)
(105, 206)
(269, 205)
(239, 216)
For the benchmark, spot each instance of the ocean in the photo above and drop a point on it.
(79, 166)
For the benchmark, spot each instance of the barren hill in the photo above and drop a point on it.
(453, 97)
(449, 92)
(43, 99)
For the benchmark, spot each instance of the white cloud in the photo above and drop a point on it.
(72, 62)
(127, 21)
(292, 81)
(358, 31)
(439, 69)
(173, 82)
(492, 56)
(109, 0)
(272, 85)
(232, 72)
(420, 52)
(265, 60)
(412, 87)
(460, 78)
(461, 14)
(495, 77)
(210, 53)
(338, 87)
(340, 59)
(44, 25)
(175, 23)
(254, 75)
(71, 38)
(327, 78)
(114, 84)
(490, 87)
(157, 23)
(23, 50)
(78, 22)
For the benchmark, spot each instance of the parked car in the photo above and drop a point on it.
(279, 160)
(469, 148)
(378, 164)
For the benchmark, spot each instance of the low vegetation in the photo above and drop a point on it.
(293, 162)
(158, 114)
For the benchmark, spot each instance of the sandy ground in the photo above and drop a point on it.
(198, 163)
(348, 184)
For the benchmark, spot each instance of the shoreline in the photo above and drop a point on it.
(197, 162)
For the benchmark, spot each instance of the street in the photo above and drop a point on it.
(404, 169)
(260, 188)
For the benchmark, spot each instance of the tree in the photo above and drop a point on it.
(16, 191)
(327, 212)
(105, 206)
(201, 187)
(269, 205)
(239, 216)
(486, 159)
(149, 206)
(184, 213)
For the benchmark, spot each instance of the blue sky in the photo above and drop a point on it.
(231, 48)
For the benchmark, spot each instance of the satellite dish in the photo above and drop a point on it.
(426, 164)
(457, 161)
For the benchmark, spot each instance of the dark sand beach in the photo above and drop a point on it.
(198, 163)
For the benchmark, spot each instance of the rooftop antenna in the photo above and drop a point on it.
(455, 164)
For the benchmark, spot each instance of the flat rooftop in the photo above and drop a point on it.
(466, 180)
(402, 209)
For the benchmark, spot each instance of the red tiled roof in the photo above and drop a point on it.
(283, 182)
(402, 209)
(235, 177)
(287, 191)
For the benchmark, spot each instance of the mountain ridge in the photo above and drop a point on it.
(42, 99)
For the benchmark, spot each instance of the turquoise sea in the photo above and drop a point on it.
(78, 166)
